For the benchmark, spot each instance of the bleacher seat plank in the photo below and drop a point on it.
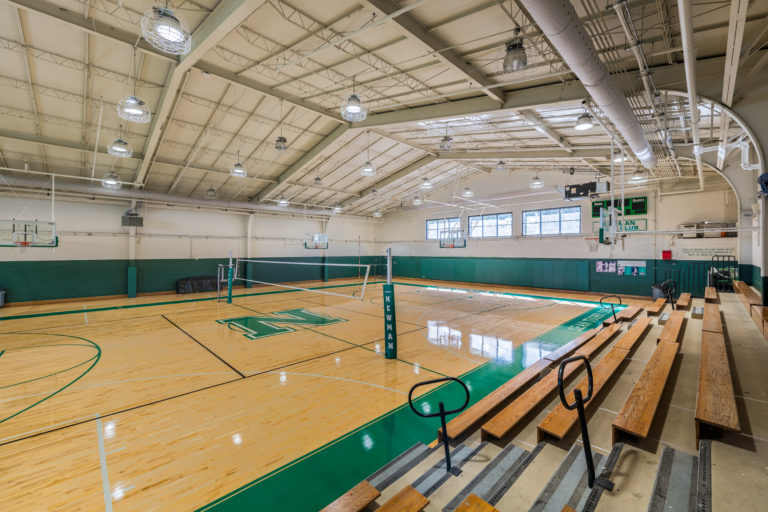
(506, 419)
(407, 500)
(354, 500)
(672, 328)
(712, 321)
(683, 301)
(656, 307)
(474, 503)
(560, 421)
(760, 317)
(497, 398)
(566, 508)
(715, 401)
(633, 335)
(558, 355)
(710, 294)
(625, 314)
(636, 415)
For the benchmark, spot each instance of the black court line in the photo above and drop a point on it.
(217, 356)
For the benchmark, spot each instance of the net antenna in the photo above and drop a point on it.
(338, 279)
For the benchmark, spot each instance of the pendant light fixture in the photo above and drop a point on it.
(618, 156)
(500, 165)
(337, 209)
(318, 181)
(416, 201)
(354, 110)
(426, 184)
(638, 177)
(515, 58)
(467, 192)
(119, 147)
(111, 181)
(210, 193)
(237, 170)
(162, 29)
(282, 202)
(281, 143)
(536, 182)
(584, 122)
(368, 168)
(445, 142)
(132, 108)
(377, 214)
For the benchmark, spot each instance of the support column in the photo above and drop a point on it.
(132, 277)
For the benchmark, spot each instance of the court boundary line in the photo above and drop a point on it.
(214, 354)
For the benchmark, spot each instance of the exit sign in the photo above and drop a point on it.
(632, 206)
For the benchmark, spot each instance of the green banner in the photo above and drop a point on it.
(390, 324)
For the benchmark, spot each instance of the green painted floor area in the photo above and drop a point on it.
(314, 480)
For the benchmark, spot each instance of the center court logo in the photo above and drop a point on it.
(255, 327)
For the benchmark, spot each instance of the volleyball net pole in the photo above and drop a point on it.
(390, 322)
(230, 278)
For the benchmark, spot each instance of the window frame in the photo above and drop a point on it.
(541, 215)
(481, 226)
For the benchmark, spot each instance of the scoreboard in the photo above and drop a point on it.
(632, 206)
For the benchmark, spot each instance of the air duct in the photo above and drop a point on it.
(145, 195)
(560, 23)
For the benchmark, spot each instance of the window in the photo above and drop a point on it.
(554, 221)
(490, 226)
(436, 227)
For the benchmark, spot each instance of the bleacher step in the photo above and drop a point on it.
(677, 483)
(497, 476)
(404, 462)
(437, 475)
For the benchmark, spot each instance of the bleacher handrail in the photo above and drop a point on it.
(611, 304)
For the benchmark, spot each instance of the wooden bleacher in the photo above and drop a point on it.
(683, 301)
(712, 321)
(710, 294)
(754, 304)
(625, 314)
(512, 414)
(560, 421)
(715, 400)
(354, 500)
(672, 328)
(501, 396)
(636, 415)
(656, 307)
(474, 503)
(407, 500)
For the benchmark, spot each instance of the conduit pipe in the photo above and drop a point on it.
(560, 23)
(689, 57)
(145, 195)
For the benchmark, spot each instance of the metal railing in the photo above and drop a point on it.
(611, 304)
(442, 413)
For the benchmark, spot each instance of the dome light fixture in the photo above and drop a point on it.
(210, 193)
(637, 177)
(500, 165)
(111, 181)
(416, 201)
(281, 143)
(515, 58)
(133, 109)
(120, 148)
(318, 181)
(536, 182)
(377, 214)
(354, 110)
(618, 157)
(467, 192)
(337, 209)
(584, 122)
(368, 169)
(445, 143)
(163, 30)
(426, 184)
(282, 202)
(237, 170)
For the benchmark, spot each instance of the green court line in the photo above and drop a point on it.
(315, 479)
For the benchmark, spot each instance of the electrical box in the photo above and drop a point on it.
(132, 220)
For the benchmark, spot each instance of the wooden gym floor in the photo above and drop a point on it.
(158, 403)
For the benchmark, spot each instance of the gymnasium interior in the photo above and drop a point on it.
(383, 255)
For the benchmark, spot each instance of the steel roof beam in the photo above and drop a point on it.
(402, 173)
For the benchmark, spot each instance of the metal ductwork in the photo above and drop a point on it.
(145, 195)
(558, 20)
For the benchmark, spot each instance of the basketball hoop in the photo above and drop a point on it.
(23, 243)
(593, 243)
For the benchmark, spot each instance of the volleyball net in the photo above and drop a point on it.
(339, 279)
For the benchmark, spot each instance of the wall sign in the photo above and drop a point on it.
(632, 206)
(626, 225)
(707, 252)
(630, 267)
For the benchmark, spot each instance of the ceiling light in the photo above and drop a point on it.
(416, 201)
(120, 148)
(637, 177)
(318, 181)
(515, 58)
(337, 209)
(353, 110)
(282, 202)
(368, 169)
(163, 30)
(237, 170)
(445, 143)
(374, 191)
(584, 122)
(536, 182)
(281, 143)
(377, 214)
(210, 193)
(112, 181)
(426, 184)
(619, 157)
(133, 109)
(500, 166)
(467, 192)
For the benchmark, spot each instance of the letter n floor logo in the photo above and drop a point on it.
(255, 327)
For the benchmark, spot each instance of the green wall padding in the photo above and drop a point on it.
(132, 283)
